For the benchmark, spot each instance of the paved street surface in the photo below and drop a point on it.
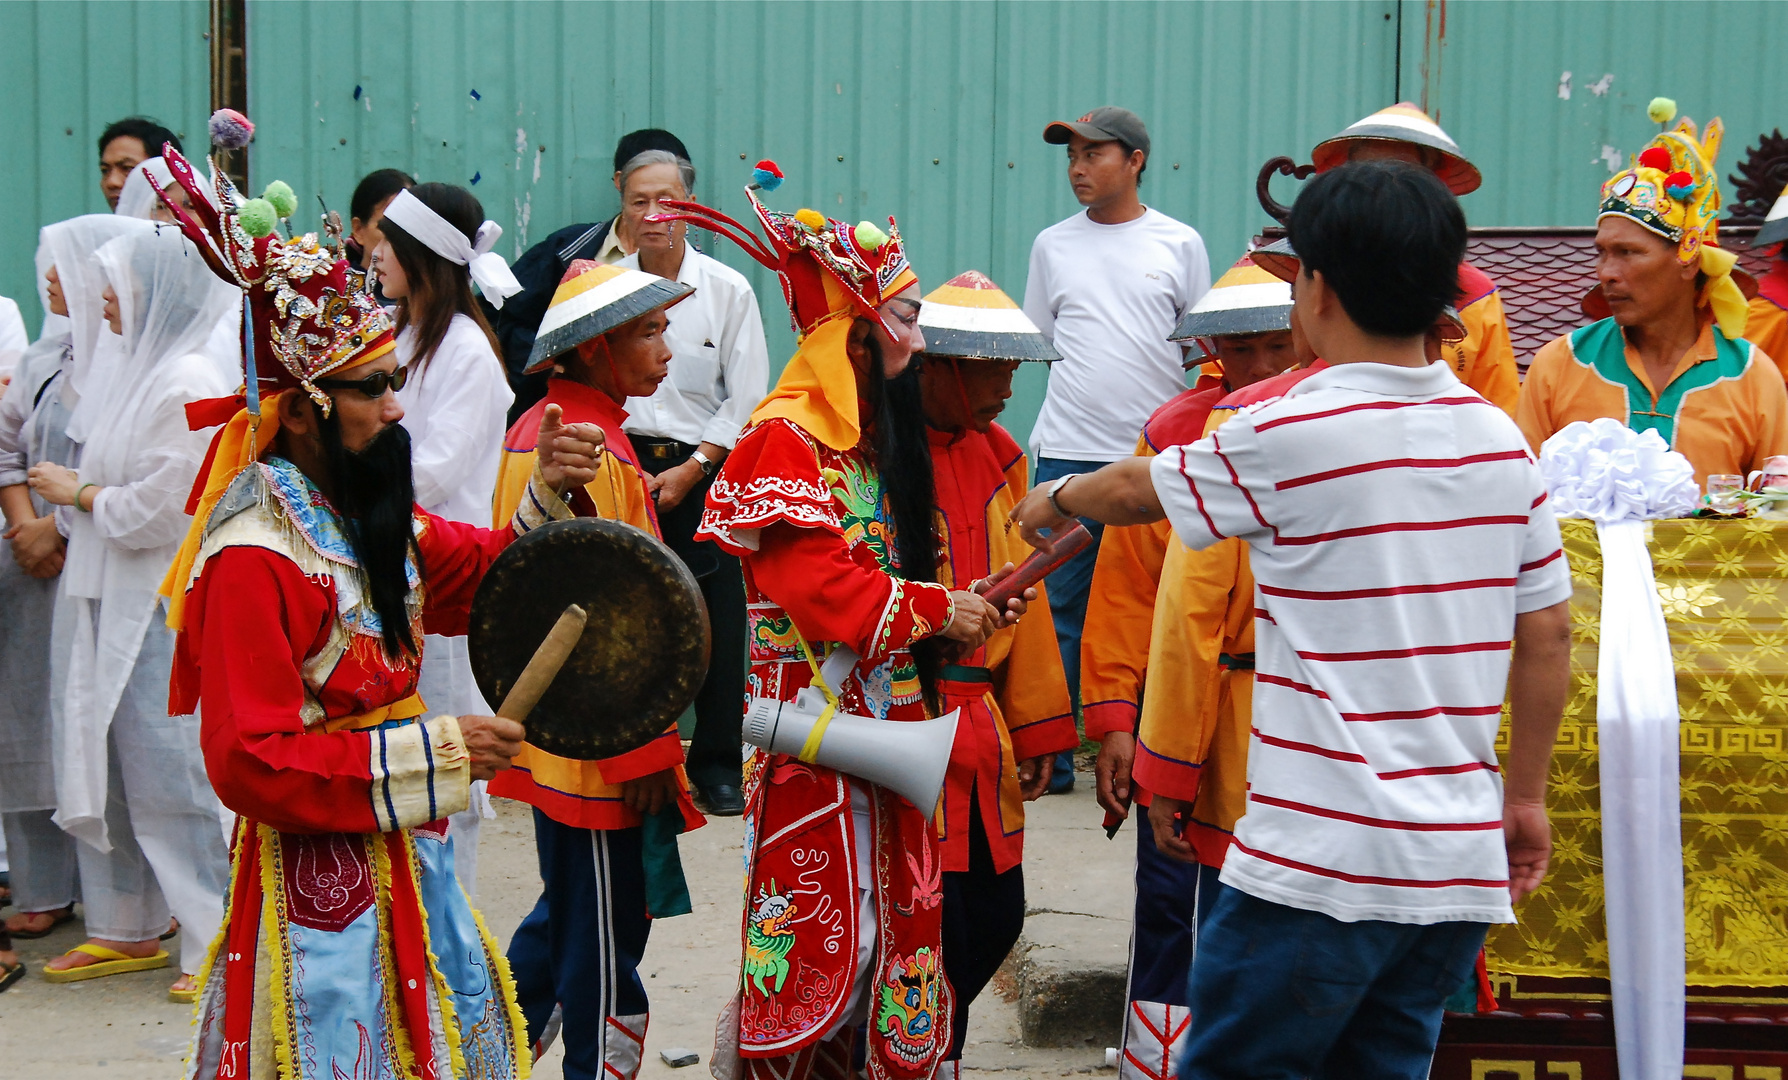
(123, 1027)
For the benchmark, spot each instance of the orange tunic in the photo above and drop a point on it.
(1485, 360)
(586, 794)
(1724, 408)
(1767, 325)
(1120, 610)
(1012, 691)
(1192, 741)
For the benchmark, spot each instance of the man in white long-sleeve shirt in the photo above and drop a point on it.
(720, 370)
(1106, 287)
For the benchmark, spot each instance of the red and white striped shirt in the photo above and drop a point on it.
(1398, 525)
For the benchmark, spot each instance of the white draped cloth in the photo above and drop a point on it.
(138, 448)
(1618, 478)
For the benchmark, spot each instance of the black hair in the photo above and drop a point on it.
(636, 142)
(1387, 237)
(374, 188)
(146, 130)
(1128, 150)
(439, 289)
(902, 451)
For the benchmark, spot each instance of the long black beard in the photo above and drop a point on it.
(903, 461)
(375, 494)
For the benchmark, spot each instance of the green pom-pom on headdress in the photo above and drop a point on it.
(1662, 110)
(257, 218)
(869, 235)
(280, 195)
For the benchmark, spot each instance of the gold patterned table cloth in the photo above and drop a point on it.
(1724, 590)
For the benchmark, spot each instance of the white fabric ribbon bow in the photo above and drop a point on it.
(490, 271)
(1619, 478)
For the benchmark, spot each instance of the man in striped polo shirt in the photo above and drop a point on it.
(1400, 538)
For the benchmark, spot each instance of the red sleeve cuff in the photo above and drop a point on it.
(1104, 717)
(664, 752)
(1047, 736)
(1167, 776)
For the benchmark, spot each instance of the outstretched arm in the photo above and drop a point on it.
(1119, 494)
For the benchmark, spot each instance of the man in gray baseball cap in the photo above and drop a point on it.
(1107, 123)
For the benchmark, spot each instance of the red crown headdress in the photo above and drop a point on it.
(307, 308)
(827, 267)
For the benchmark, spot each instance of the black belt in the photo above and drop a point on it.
(963, 673)
(1237, 661)
(663, 449)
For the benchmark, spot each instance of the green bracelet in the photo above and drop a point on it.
(78, 491)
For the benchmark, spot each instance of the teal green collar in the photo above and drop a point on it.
(1602, 346)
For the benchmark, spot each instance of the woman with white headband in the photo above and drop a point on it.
(436, 245)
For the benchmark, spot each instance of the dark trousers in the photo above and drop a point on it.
(983, 916)
(1280, 991)
(580, 947)
(1069, 587)
(1170, 898)
(714, 747)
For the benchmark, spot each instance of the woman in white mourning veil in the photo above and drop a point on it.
(130, 780)
(142, 197)
(34, 414)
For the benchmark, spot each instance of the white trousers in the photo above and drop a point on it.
(447, 686)
(168, 854)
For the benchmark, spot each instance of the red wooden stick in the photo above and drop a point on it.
(1004, 587)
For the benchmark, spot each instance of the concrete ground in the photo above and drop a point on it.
(123, 1027)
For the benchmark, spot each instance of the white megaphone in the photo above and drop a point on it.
(907, 757)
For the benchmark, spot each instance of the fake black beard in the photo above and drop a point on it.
(375, 494)
(903, 461)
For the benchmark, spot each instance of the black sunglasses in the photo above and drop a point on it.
(373, 386)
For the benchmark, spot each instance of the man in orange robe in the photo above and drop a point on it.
(1012, 692)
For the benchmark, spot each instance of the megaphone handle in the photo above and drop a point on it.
(532, 684)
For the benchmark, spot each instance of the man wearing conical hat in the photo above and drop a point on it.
(1244, 325)
(1484, 359)
(1766, 326)
(1670, 355)
(579, 949)
(828, 500)
(1012, 692)
(300, 597)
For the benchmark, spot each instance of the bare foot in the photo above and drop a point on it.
(81, 959)
(37, 922)
(184, 984)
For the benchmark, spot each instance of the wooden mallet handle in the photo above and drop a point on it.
(1002, 588)
(544, 664)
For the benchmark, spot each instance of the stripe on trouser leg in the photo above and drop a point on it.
(1154, 1035)
(605, 936)
(624, 1046)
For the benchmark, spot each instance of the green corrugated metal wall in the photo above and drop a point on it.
(889, 88)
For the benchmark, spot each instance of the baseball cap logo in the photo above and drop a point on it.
(1085, 119)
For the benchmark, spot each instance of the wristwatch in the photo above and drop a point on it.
(707, 467)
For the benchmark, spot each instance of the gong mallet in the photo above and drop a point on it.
(532, 683)
(1003, 588)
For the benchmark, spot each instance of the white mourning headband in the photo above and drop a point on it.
(489, 270)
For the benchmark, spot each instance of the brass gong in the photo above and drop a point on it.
(643, 653)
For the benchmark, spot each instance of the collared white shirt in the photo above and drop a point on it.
(720, 365)
(1397, 526)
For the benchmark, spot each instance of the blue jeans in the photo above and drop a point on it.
(1282, 992)
(1068, 589)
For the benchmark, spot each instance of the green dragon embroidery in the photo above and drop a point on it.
(768, 939)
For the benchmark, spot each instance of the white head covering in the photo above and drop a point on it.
(144, 457)
(141, 194)
(489, 270)
(72, 248)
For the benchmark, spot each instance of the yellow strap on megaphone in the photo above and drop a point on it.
(810, 748)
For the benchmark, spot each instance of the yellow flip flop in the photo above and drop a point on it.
(183, 997)
(111, 962)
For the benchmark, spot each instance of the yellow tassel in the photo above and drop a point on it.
(518, 1024)
(443, 993)
(274, 932)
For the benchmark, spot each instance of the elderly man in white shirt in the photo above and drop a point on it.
(720, 370)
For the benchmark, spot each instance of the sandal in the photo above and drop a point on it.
(57, 918)
(11, 975)
(186, 995)
(110, 962)
(173, 928)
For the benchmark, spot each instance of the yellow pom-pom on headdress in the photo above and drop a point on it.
(812, 219)
(1662, 110)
